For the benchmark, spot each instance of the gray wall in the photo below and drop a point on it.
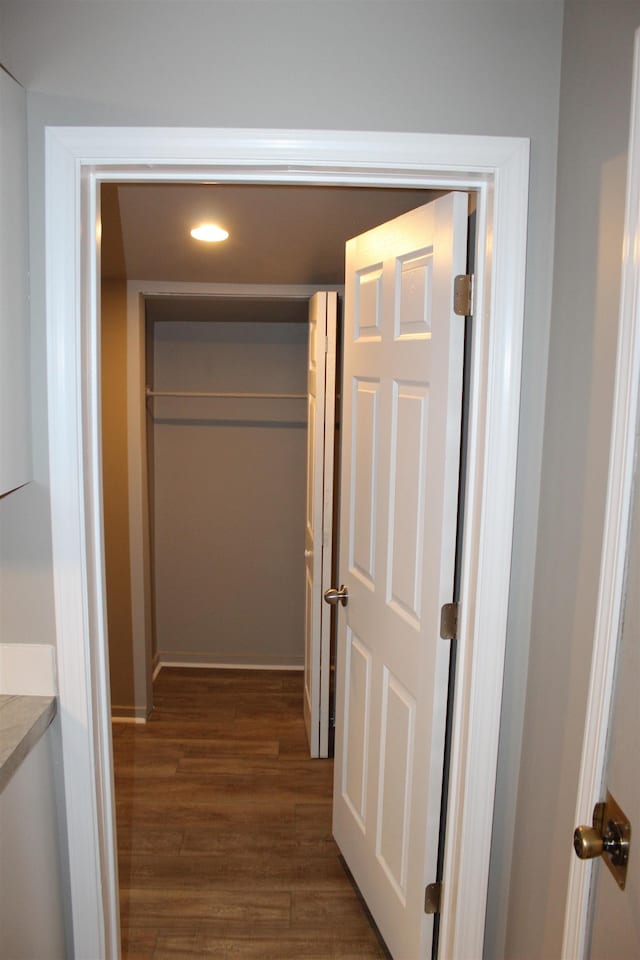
(229, 479)
(594, 127)
(34, 904)
(32, 909)
(463, 67)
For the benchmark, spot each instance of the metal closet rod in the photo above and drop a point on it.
(225, 396)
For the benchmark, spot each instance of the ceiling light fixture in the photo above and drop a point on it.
(209, 232)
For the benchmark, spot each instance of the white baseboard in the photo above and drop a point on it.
(199, 665)
(28, 669)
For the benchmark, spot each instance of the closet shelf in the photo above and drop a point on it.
(189, 394)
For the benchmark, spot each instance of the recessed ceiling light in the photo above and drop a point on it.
(209, 232)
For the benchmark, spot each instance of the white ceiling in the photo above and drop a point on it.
(278, 234)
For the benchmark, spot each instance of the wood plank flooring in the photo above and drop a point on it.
(224, 828)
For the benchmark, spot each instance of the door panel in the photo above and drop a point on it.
(356, 727)
(396, 751)
(400, 460)
(363, 506)
(367, 303)
(406, 499)
(319, 516)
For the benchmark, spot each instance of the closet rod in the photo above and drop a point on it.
(226, 396)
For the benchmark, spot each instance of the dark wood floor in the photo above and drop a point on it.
(224, 827)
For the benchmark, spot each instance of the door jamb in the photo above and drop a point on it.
(626, 409)
(77, 160)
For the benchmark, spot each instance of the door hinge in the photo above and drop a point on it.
(449, 621)
(432, 895)
(463, 295)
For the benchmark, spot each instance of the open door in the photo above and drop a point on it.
(321, 374)
(402, 401)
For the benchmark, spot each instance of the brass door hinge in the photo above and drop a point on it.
(449, 621)
(432, 895)
(463, 295)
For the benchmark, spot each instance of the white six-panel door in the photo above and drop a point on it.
(321, 369)
(402, 390)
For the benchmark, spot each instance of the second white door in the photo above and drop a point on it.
(321, 372)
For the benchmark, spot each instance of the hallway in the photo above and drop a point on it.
(224, 827)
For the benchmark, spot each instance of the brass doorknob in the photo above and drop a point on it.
(590, 842)
(608, 837)
(587, 842)
(333, 596)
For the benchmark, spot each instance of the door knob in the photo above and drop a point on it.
(608, 837)
(333, 596)
(587, 842)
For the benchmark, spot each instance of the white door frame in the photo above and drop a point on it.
(77, 161)
(624, 427)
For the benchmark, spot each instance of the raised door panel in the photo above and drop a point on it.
(368, 303)
(362, 533)
(356, 727)
(406, 499)
(398, 717)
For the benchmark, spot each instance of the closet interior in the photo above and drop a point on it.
(226, 425)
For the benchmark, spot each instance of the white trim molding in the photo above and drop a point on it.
(77, 161)
(615, 538)
(206, 665)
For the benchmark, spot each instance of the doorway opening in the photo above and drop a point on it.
(286, 242)
(225, 462)
(202, 374)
